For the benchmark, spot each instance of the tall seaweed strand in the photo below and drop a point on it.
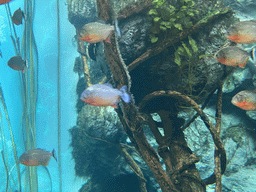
(4, 151)
(29, 90)
(6, 170)
(16, 41)
(11, 133)
(58, 85)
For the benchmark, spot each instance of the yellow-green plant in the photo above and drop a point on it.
(187, 57)
(169, 20)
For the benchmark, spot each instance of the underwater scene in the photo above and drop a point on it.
(127, 96)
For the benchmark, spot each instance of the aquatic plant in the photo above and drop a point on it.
(2, 99)
(169, 20)
(29, 81)
(187, 57)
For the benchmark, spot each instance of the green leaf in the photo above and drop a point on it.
(165, 23)
(191, 3)
(172, 7)
(154, 39)
(191, 14)
(153, 12)
(178, 26)
(189, 24)
(202, 56)
(180, 50)
(156, 19)
(177, 59)
(172, 20)
(187, 49)
(158, 3)
(196, 12)
(192, 43)
(180, 14)
(163, 28)
(168, 26)
(183, 8)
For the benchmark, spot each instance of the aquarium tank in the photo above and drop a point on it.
(127, 96)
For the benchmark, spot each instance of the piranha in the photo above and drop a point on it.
(104, 95)
(17, 63)
(17, 17)
(234, 56)
(96, 32)
(243, 32)
(245, 100)
(36, 157)
(4, 1)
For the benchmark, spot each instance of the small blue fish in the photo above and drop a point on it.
(104, 95)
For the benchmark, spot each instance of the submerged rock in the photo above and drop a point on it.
(81, 12)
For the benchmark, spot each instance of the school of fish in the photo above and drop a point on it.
(243, 32)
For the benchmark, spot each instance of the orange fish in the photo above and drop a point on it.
(17, 17)
(36, 157)
(245, 100)
(17, 63)
(243, 32)
(4, 1)
(234, 56)
(96, 32)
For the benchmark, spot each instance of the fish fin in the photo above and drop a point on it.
(26, 63)
(108, 84)
(24, 16)
(242, 65)
(126, 97)
(123, 89)
(252, 54)
(92, 51)
(101, 21)
(117, 29)
(108, 39)
(115, 106)
(46, 163)
(54, 155)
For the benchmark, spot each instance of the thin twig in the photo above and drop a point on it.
(217, 158)
(6, 169)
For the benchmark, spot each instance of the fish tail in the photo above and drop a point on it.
(252, 54)
(125, 96)
(54, 155)
(26, 63)
(117, 29)
(123, 89)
